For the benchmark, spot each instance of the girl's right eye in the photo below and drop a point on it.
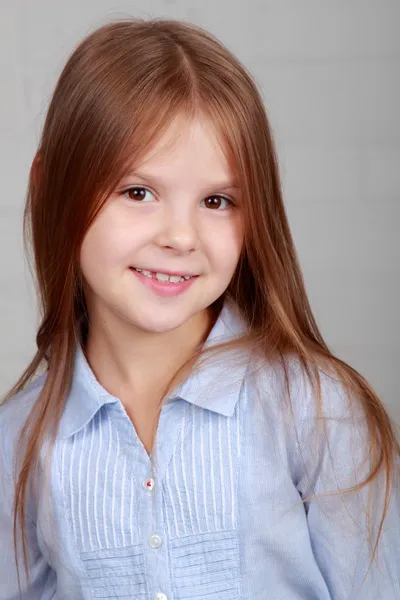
(138, 194)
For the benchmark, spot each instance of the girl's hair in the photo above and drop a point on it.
(116, 95)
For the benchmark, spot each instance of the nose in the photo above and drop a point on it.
(177, 234)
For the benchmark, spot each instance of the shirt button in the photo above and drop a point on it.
(149, 484)
(160, 596)
(155, 541)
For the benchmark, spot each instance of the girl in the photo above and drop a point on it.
(191, 436)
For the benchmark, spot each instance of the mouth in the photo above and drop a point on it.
(172, 278)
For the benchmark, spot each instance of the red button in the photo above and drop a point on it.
(149, 484)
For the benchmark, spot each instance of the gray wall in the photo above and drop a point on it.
(329, 71)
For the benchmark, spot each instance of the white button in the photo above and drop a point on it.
(149, 484)
(160, 596)
(155, 541)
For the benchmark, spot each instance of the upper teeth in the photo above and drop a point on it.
(164, 277)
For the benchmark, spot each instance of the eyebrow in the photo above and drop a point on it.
(223, 185)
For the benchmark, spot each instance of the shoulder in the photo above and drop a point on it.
(287, 384)
(313, 413)
(13, 414)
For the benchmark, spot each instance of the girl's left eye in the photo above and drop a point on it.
(138, 194)
(217, 203)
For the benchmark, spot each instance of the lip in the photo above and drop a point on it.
(162, 288)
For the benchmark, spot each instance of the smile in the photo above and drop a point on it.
(164, 284)
(164, 277)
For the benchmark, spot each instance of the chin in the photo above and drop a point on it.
(158, 326)
(159, 323)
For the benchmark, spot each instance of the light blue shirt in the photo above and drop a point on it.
(221, 517)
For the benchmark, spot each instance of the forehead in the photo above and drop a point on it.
(193, 144)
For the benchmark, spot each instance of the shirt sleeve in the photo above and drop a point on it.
(41, 574)
(335, 457)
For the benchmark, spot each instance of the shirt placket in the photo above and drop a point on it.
(152, 515)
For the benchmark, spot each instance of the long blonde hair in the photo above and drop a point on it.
(117, 93)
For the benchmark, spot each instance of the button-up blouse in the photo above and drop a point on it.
(217, 514)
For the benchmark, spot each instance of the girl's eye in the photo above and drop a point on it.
(217, 203)
(138, 194)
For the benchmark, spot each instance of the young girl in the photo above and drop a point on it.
(191, 435)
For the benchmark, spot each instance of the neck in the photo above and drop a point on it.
(133, 363)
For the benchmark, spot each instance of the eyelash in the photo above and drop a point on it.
(142, 187)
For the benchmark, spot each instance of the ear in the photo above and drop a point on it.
(36, 170)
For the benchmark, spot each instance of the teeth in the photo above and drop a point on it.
(170, 278)
(164, 277)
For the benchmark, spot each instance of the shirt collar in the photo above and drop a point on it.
(85, 398)
(214, 386)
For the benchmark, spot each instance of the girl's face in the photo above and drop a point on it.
(167, 241)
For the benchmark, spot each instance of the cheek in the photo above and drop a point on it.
(226, 246)
(105, 245)
(98, 252)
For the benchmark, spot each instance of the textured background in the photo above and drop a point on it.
(329, 71)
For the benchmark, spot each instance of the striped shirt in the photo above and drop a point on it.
(218, 513)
